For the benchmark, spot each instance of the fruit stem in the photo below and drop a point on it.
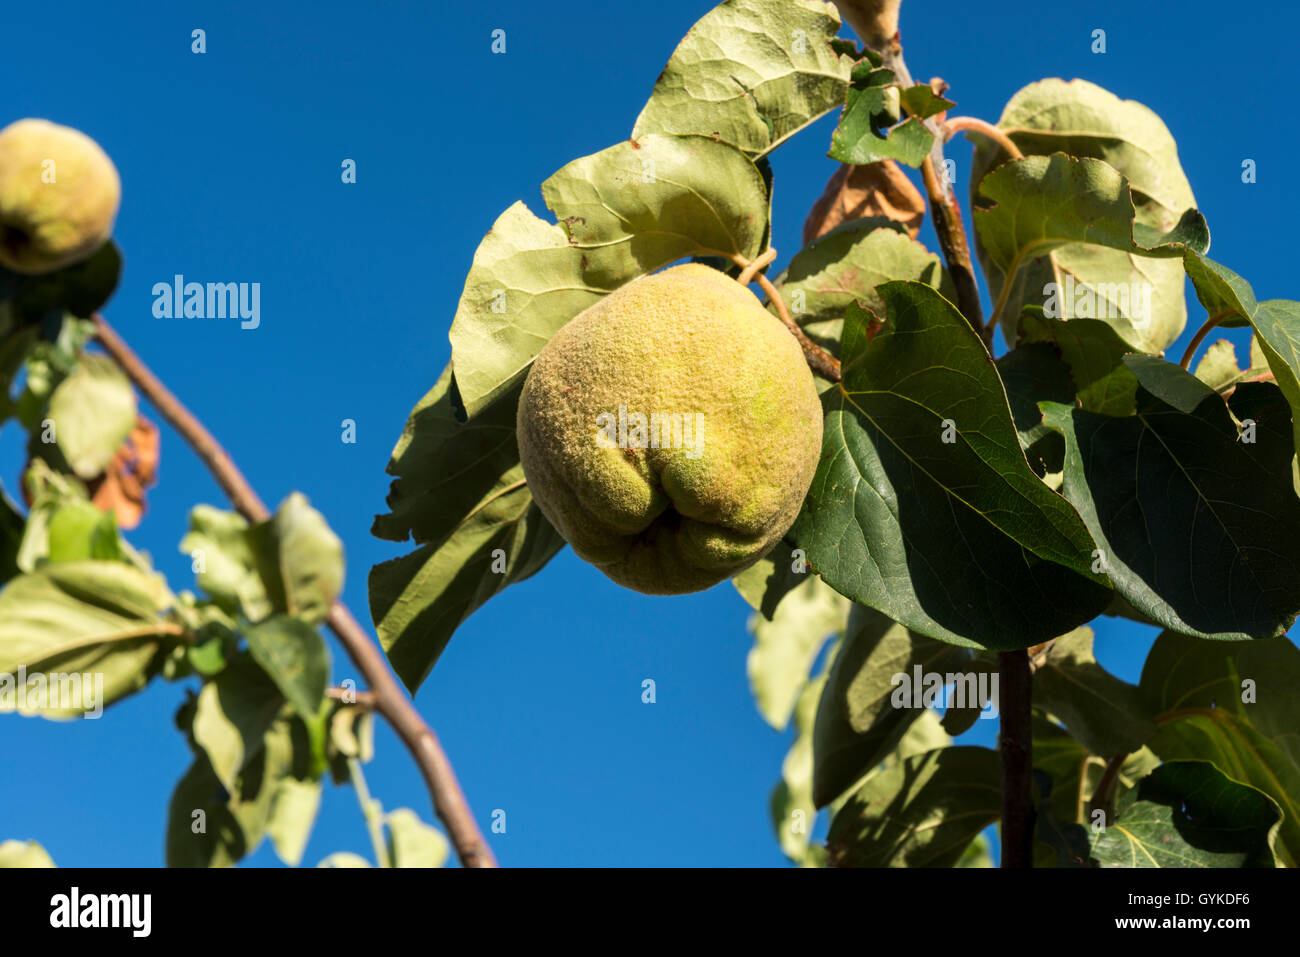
(818, 359)
(390, 700)
(749, 272)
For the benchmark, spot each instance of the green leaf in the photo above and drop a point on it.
(921, 101)
(232, 714)
(209, 826)
(82, 620)
(12, 525)
(1276, 322)
(301, 559)
(626, 211)
(1235, 705)
(1189, 814)
(23, 854)
(294, 805)
(1199, 530)
(351, 734)
(1094, 353)
(923, 505)
(926, 733)
(1073, 771)
(81, 288)
(786, 646)
(858, 720)
(1218, 367)
(794, 812)
(460, 494)
(923, 812)
(16, 345)
(765, 583)
(1033, 372)
(846, 265)
(344, 859)
(292, 563)
(1108, 716)
(223, 554)
(412, 843)
(869, 129)
(93, 411)
(751, 73)
(1106, 261)
(293, 653)
(1084, 120)
(79, 530)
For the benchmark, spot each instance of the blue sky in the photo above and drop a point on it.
(230, 165)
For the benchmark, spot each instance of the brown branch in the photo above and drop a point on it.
(975, 125)
(946, 215)
(390, 700)
(945, 211)
(1016, 744)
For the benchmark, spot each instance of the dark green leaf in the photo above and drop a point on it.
(860, 716)
(1235, 705)
(846, 265)
(1199, 530)
(1189, 814)
(1276, 322)
(1032, 373)
(81, 288)
(460, 493)
(923, 812)
(869, 129)
(1106, 715)
(293, 653)
(1094, 353)
(924, 506)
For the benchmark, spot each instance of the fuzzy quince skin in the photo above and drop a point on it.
(59, 194)
(693, 347)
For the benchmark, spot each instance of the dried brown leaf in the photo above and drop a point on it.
(134, 468)
(856, 192)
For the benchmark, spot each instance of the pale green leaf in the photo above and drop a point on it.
(752, 73)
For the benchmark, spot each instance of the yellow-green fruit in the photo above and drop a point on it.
(58, 196)
(726, 396)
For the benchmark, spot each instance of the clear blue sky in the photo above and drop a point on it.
(230, 164)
